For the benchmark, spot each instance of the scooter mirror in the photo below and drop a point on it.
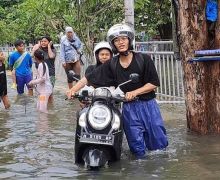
(134, 77)
(85, 93)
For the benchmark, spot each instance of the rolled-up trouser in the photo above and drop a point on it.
(143, 126)
(42, 102)
(70, 66)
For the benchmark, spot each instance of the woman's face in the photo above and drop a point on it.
(104, 55)
(69, 35)
(44, 42)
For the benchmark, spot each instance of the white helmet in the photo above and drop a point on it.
(120, 30)
(99, 46)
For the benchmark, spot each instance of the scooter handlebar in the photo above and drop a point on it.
(122, 99)
(115, 98)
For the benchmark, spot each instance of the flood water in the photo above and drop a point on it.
(40, 146)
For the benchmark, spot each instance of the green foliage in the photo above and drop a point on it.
(149, 15)
(30, 19)
(8, 3)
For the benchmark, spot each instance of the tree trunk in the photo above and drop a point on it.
(202, 79)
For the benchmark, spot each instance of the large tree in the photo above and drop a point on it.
(202, 79)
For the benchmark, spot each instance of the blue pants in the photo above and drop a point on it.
(143, 126)
(21, 81)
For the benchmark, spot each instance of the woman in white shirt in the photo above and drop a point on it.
(42, 82)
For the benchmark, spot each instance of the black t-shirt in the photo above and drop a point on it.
(49, 61)
(105, 76)
(3, 81)
(98, 82)
(89, 69)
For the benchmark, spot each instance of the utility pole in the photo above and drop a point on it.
(129, 15)
(129, 12)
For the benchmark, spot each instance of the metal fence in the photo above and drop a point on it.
(169, 70)
(170, 73)
(154, 46)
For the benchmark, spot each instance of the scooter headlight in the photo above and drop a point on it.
(116, 122)
(82, 120)
(99, 117)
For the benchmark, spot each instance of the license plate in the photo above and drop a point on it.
(97, 138)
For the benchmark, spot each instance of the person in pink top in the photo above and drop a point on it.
(42, 82)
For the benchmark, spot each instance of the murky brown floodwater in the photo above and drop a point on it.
(39, 146)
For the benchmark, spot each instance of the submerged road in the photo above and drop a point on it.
(41, 146)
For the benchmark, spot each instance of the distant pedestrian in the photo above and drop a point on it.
(49, 56)
(21, 61)
(70, 53)
(3, 82)
(49, 51)
(42, 82)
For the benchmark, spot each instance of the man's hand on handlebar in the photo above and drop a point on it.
(129, 96)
